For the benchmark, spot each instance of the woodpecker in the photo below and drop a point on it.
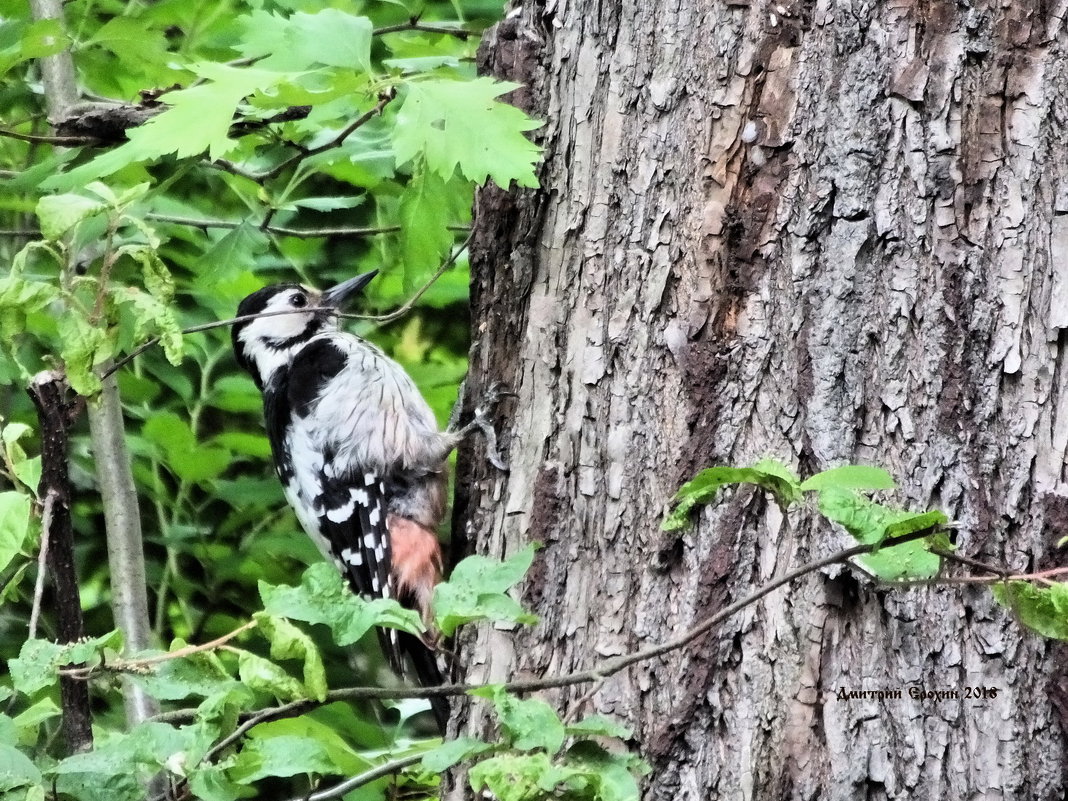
(358, 451)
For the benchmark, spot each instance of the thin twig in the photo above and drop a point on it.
(953, 556)
(347, 786)
(42, 559)
(132, 665)
(404, 309)
(459, 33)
(62, 141)
(299, 233)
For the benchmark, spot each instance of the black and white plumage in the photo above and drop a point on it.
(357, 449)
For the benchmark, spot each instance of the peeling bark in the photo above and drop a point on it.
(834, 235)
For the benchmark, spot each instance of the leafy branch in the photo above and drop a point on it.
(384, 99)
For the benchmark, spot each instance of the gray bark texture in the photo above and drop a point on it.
(825, 232)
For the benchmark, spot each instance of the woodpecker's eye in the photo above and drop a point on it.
(298, 301)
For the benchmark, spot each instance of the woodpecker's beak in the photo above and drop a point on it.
(338, 296)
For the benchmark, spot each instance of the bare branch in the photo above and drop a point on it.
(139, 665)
(299, 233)
(42, 560)
(414, 25)
(62, 141)
(347, 786)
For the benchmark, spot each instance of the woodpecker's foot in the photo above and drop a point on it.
(484, 423)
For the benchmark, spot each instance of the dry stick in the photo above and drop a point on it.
(62, 141)
(50, 394)
(299, 233)
(42, 561)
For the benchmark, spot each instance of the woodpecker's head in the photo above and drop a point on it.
(293, 314)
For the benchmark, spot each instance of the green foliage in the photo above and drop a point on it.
(531, 762)
(323, 597)
(477, 591)
(838, 500)
(451, 124)
(1041, 608)
(232, 681)
(702, 489)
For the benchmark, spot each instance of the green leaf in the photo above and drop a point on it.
(322, 597)
(475, 591)
(850, 476)
(1041, 609)
(131, 39)
(605, 775)
(526, 723)
(37, 663)
(28, 721)
(425, 214)
(265, 676)
(871, 523)
(200, 674)
(289, 642)
(14, 524)
(281, 756)
(329, 37)
(521, 777)
(59, 213)
(462, 124)
(28, 471)
(598, 726)
(188, 460)
(16, 769)
(270, 737)
(83, 347)
(452, 752)
(254, 445)
(702, 488)
(152, 317)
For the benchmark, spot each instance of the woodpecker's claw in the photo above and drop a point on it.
(483, 422)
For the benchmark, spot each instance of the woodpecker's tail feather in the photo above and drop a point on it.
(427, 672)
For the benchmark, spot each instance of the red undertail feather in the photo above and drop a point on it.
(417, 564)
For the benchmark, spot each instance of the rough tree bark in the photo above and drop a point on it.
(823, 232)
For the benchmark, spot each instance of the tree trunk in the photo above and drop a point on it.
(836, 234)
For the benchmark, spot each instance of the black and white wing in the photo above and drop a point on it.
(340, 503)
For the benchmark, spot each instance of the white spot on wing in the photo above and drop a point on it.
(369, 541)
(374, 517)
(341, 514)
(368, 479)
(352, 557)
(360, 496)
